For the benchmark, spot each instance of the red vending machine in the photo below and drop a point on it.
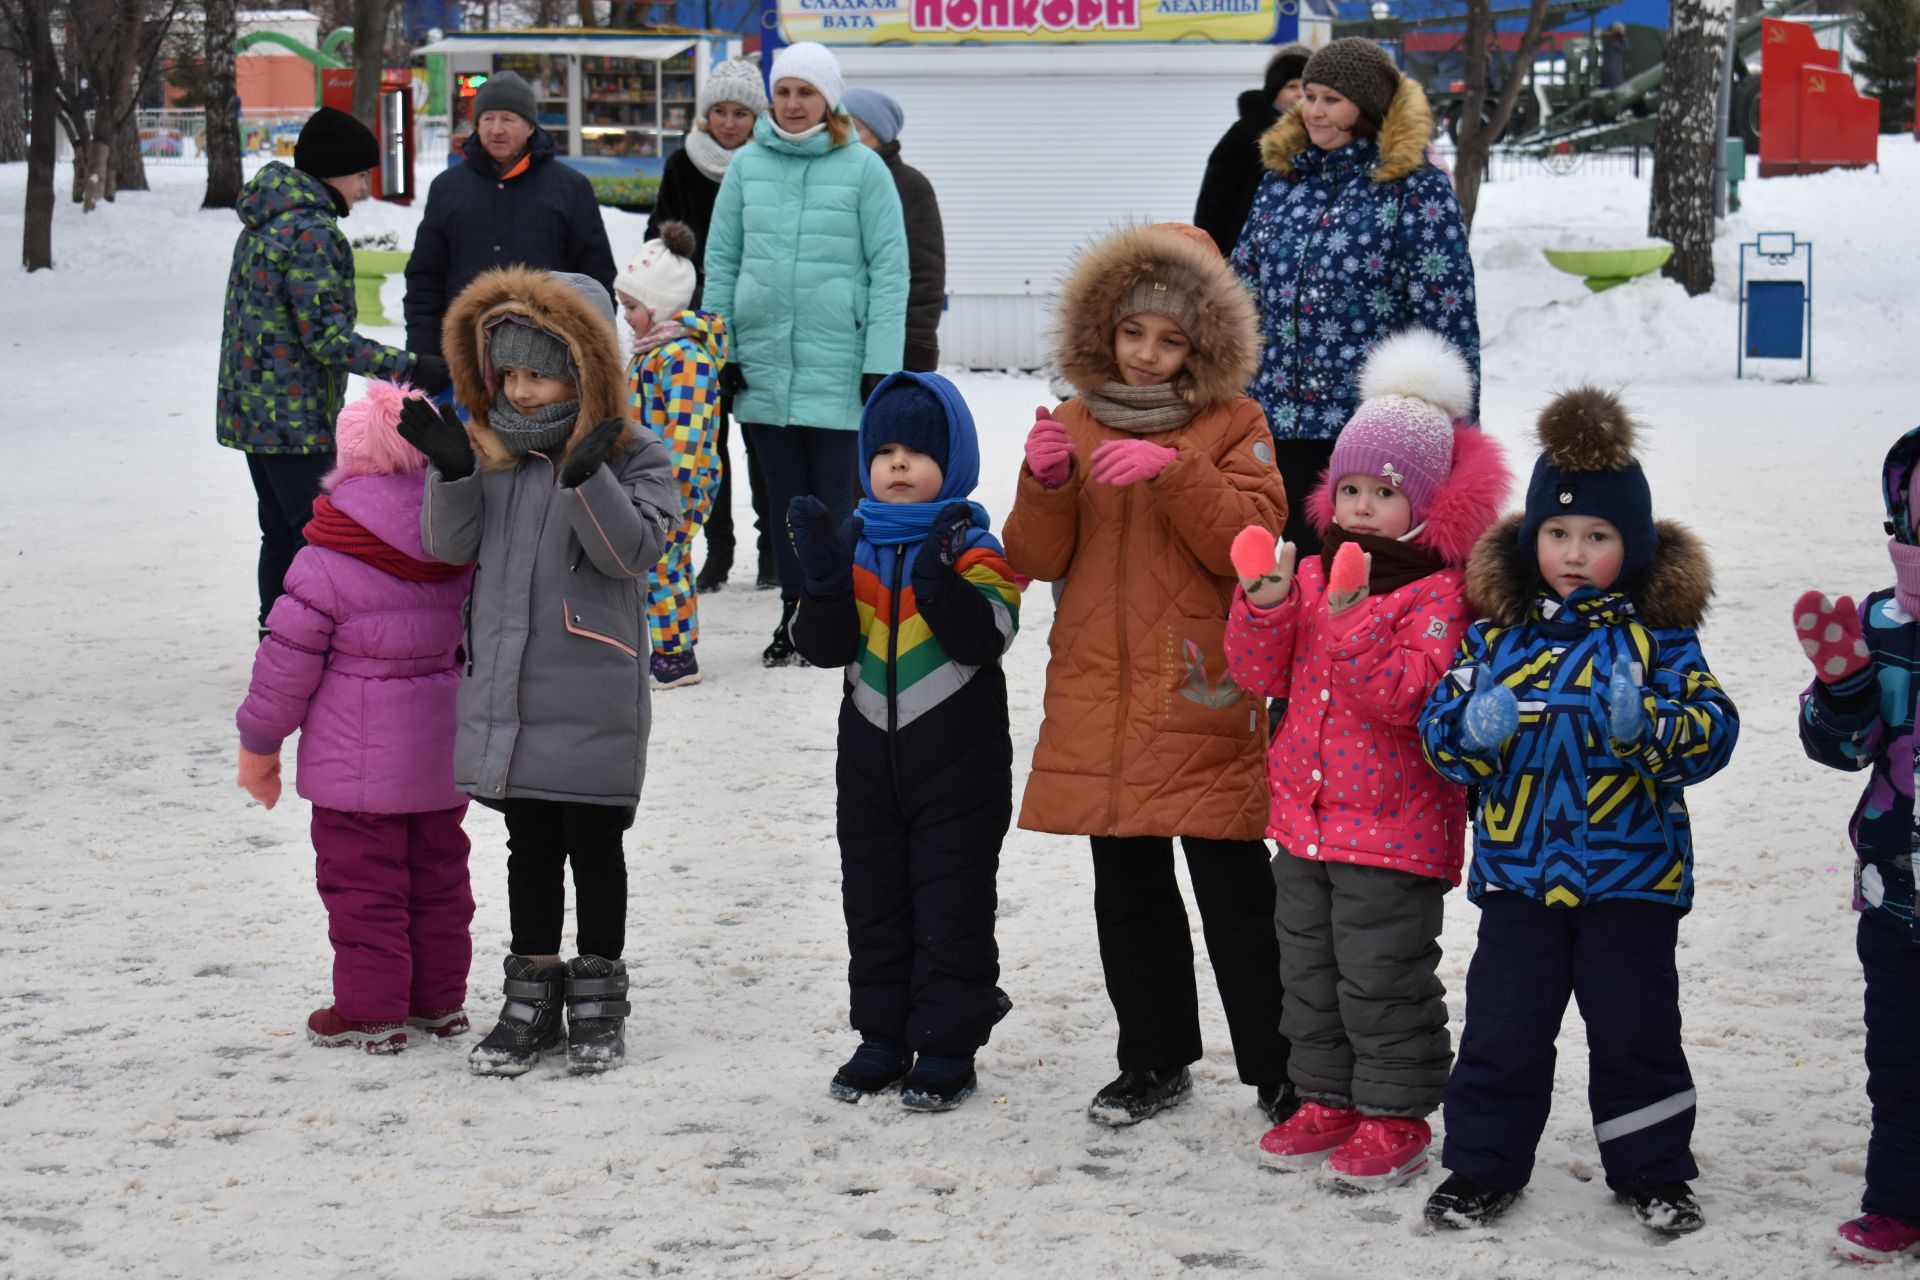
(393, 180)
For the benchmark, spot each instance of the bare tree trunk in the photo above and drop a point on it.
(13, 120)
(1479, 125)
(1681, 208)
(129, 166)
(369, 58)
(222, 108)
(29, 27)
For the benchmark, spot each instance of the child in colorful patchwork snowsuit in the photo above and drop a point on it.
(673, 389)
(913, 600)
(1580, 706)
(565, 506)
(361, 657)
(1370, 838)
(1859, 713)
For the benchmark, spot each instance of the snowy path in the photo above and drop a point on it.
(160, 1113)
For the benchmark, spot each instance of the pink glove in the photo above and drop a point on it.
(1049, 450)
(1265, 576)
(1830, 633)
(1123, 462)
(260, 776)
(1347, 580)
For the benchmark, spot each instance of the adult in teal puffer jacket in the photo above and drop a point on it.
(807, 263)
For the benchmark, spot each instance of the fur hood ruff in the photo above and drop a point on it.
(1226, 336)
(1402, 139)
(555, 306)
(1503, 580)
(1465, 504)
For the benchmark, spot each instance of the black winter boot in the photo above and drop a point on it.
(1277, 1101)
(597, 1012)
(781, 652)
(875, 1067)
(1668, 1207)
(1462, 1202)
(938, 1084)
(530, 1022)
(1135, 1095)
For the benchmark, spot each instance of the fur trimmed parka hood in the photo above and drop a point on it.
(1465, 505)
(1226, 333)
(558, 308)
(1402, 138)
(1503, 579)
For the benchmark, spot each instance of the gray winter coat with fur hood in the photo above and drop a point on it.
(554, 703)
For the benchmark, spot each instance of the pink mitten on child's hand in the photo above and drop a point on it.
(1049, 450)
(1265, 576)
(260, 776)
(1347, 579)
(1124, 462)
(1829, 631)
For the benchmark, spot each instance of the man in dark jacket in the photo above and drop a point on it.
(510, 202)
(1234, 169)
(878, 118)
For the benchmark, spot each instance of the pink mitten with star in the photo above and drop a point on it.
(1123, 462)
(1266, 571)
(1347, 579)
(1829, 631)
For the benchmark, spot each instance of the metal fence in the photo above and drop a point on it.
(179, 136)
(1507, 164)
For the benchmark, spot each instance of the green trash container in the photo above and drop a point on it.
(371, 267)
(1736, 171)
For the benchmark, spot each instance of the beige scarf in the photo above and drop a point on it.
(1141, 410)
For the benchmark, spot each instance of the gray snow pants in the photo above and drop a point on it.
(1362, 1004)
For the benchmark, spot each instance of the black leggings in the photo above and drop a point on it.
(285, 485)
(543, 836)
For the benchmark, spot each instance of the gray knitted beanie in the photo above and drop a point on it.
(1358, 70)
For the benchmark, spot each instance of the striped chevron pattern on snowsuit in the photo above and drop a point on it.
(923, 675)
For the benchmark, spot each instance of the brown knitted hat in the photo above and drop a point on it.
(1358, 70)
(1169, 300)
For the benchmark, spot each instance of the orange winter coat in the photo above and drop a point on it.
(1145, 732)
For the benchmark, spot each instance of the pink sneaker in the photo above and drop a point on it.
(1383, 1152)
(325, 1027)
(1874, 1237)
(1303, 1139)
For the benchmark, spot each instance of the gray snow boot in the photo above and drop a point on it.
(597, 1012)
(530, 1023)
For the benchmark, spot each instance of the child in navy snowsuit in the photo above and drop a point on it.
(1859, 714)
(914, 599)
(1579, 706)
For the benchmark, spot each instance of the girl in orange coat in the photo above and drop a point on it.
(1129, 502)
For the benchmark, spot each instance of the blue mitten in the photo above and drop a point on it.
(1491, 716)
(825, 553)
(1626, 706)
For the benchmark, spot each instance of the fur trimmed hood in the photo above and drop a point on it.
(1467, 502)
(1402, 138)
(552, 305)
(1503, 580)
(1226, 336)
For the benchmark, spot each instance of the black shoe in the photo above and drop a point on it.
(712, 575)
(1666, 1207)
(530, 1022)
(876, 1066)
(1462, 1202)
(781, 652)
(1139, 1094)
(938, 1084)
(1278, 1101)
(597, 1012)
(766, 578)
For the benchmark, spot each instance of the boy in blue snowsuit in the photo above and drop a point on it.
(1579, 707)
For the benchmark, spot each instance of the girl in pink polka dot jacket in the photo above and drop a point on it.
(1370, 838)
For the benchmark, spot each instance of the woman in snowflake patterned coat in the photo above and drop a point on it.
(1353, 236)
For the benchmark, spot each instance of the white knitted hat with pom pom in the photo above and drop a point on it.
(1413, 388)
(661, 276)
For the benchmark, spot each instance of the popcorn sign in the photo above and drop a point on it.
(1025, 17)
(869, 22)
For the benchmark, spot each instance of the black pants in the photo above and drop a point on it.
(1615, 957)
(719, 527)
(543, 836)
(1300, 463)
(1892, 965)
(286, 485)
(917, 885)
(797, 460)
(1146, 950)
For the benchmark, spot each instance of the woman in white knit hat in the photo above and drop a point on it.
(807, 264)
(731, 99)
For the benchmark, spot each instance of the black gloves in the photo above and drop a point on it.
(825, 554)
(586, 457)
(438, 433)
(733, 380)
(934, 569)
(868, 381)
(430, 374)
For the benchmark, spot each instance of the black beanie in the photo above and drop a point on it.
(1587, 468)
(333, 144)
(904, 412)
(1287, 64)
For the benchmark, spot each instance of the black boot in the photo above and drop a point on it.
(597, 1012)
(1135, 1095)
(530, 1022)
(1667, 1207)
(713, 574)
(938, 1084)
(1278, 1101)
(1462, 1202)
(781, 652)
(875, 1067)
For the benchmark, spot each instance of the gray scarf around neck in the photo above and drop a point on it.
(1141, 410)
(708, 156)
(545, 428)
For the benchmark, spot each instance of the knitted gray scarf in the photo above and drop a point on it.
(1141, 410)
(545, 428)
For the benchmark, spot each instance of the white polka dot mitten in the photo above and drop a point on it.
(1829, 631)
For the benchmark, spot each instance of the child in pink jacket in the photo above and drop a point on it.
(1370, 838)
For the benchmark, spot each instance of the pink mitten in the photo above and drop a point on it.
(1829, 631)
(1252, 552)
(1123, 462)
(1347, 579)
(260, 776)
(1049, 450)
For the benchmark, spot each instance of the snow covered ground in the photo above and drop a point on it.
(161, 1114)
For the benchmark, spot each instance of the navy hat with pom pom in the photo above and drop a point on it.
(1587, 468)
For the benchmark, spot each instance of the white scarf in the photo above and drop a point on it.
(803, 135)
(708, 156)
